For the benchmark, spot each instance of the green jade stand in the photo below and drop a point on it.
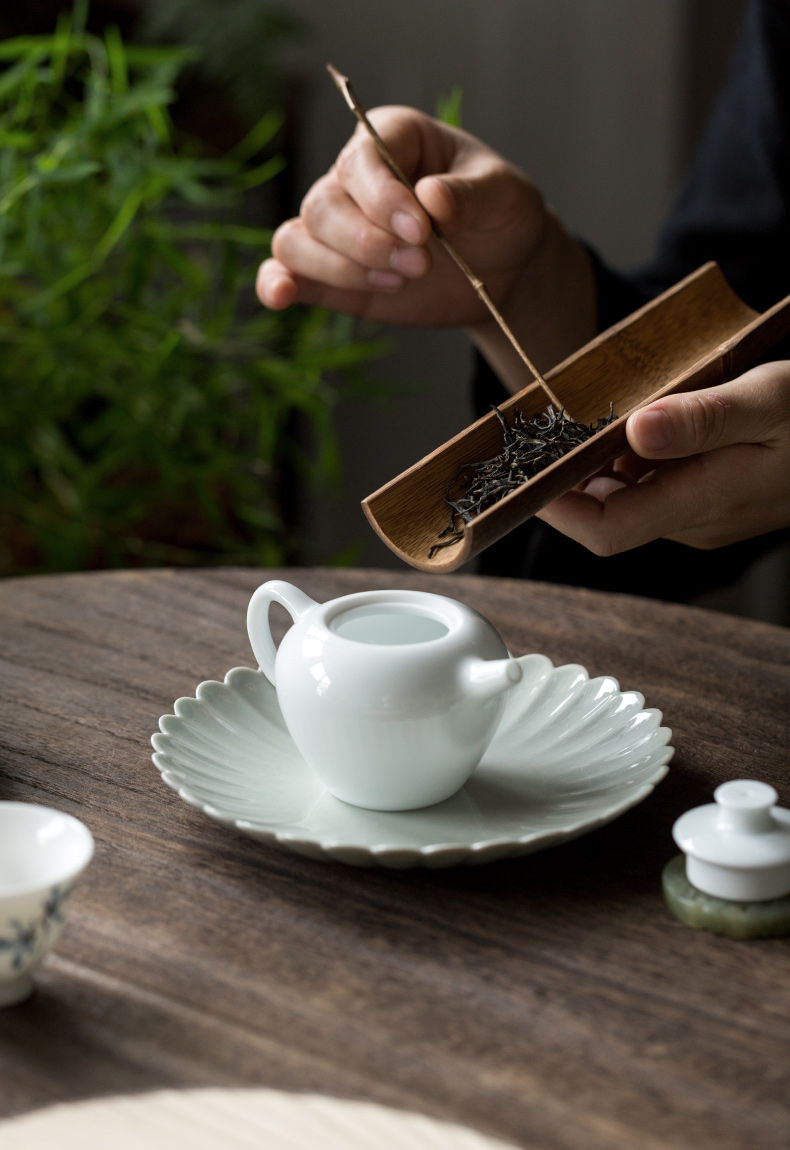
(741, 920)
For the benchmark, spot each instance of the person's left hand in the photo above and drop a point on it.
(706, 468)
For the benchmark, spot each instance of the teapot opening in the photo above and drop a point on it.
(387, 626)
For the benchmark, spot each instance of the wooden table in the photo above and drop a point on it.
(552, 1000)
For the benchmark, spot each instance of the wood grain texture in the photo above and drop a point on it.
(551, 1001)
(695, 335)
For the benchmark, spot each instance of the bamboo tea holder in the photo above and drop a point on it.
(696, 335)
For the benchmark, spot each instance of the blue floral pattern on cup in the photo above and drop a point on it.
(26, 942)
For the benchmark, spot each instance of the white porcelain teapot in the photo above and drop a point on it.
(391, 696)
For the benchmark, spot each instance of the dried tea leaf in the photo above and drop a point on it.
(530, 445)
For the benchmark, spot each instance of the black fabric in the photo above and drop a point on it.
(733, 208)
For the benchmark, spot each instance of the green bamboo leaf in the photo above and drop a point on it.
(70, 280)
(17, 192)
(161, 57)
(25, 46)
(61, 47)
(262, 173)
(116, 57)
(71, 174)
(159, 121)
(138, 100)
(123, 219)
(79, 16)
(13, 77)
(183, 266)
(449, 108)
(19, 141)
(259, 136)
(230, 233)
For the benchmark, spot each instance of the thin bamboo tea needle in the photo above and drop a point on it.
(344, 86)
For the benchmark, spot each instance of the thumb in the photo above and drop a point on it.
(481, 193)
(747, 410)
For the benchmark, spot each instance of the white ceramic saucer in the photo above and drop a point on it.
(217, 1119)
(570, 754)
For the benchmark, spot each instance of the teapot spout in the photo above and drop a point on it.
(487, 678)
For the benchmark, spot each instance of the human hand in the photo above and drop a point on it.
(362, 244)
(706, 468)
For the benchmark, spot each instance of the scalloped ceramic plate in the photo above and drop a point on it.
(570, 754)
(234, 1120)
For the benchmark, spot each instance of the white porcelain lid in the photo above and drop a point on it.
(743, 829)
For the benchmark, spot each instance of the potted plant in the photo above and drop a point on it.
(147, 404)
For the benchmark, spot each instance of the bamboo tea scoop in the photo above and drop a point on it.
(697, 334)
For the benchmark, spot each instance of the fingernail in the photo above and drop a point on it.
(385, 281)
(411, 262)
(407, 226)
(654, 430)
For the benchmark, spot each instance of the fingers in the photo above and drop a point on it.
(380, 196)
(482, 193)
(359, 228)
(707, 501)
(361, 239)
(278, 287)
(459, 181)
(707, 469)
(611, 516)
(750, 409)
(332, 217)
(627, 469)
(275, 286)
(295, 248)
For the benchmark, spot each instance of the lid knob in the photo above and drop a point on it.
(745, 806)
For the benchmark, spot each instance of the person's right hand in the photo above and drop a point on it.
(362, 244)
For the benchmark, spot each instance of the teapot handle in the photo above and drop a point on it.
(296, 603)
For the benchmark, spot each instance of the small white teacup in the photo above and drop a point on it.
(42, 853)
(391, 696)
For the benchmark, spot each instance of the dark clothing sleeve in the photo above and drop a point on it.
(733, 208)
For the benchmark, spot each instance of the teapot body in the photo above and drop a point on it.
(392, 696)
